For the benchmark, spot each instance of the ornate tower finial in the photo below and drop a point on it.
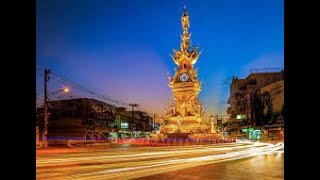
(185, 57)
(185, 22)
(185, 37)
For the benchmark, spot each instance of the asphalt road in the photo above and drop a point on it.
(154, 162)
(262, 167)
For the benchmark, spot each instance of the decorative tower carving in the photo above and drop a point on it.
(186, 113)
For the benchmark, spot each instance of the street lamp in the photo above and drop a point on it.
(64, 90)
(46, 115)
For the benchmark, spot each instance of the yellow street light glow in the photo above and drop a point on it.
(66, 90)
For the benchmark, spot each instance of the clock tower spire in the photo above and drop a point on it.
(185, 57)
(186, 114)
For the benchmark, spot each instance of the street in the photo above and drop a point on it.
(262, 167)
(215, 161)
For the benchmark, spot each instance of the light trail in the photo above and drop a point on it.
(153, 154)
(138, 163)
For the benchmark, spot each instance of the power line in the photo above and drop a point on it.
(85, 89)
(61, 79)
(57, 78)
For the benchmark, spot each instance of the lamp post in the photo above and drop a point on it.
(153, 122)
(46, 115)
(45, 129)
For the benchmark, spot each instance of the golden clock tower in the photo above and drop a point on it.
(185, 115)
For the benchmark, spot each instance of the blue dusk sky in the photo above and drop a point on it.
(121, 48)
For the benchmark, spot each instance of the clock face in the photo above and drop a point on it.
(184, 77)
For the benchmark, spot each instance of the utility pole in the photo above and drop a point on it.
(217, 123)
(132, 106)
(154, 121)
(45, 129)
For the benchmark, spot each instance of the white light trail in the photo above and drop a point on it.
(140, 163)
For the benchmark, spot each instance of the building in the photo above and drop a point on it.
(81, 118)
(185, 115)
(128, 121)
(244, 98)
(269, 109)
(154, 121)
(90, 119)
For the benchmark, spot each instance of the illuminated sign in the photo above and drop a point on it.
(241, 116)
(124, 125)
(245, 130)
